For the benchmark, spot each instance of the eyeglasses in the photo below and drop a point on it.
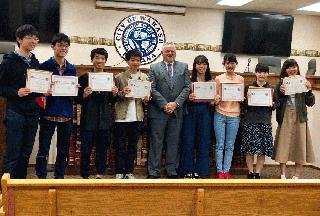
(62, 45)
(32, 38)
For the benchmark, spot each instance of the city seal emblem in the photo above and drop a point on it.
(140, 32)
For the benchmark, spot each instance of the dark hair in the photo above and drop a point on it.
(230, 58)
(288, 63)
(261, 68)
(133, 53)
(100, 51)
(26, 30)
(199, 60)
(60, 37)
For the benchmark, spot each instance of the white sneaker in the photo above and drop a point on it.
(129, 176)
(283, 176)
(295, 177)
(119, 176)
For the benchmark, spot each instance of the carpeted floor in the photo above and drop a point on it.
(269, 172)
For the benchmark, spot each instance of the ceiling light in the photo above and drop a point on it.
(314, 7)
(233, 2)
(141, 7)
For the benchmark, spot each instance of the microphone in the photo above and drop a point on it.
(248, 66)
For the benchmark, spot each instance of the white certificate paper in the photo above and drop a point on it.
(139, 89)
(296, 84)
(204, 90)
(64, 85)
(260, 97)
(101, 81)
(38, 80)
(232, 92)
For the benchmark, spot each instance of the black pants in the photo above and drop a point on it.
(127, 135)
(101, 138)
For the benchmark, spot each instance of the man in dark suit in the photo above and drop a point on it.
(170, 88)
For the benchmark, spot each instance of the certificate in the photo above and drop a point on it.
(139, 89)
(204, 90)
(260, 97)
(101, 81)
(296, 84)
(38, 80)
(64, 85)
(231, 92)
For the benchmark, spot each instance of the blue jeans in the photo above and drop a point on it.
(20, 135)
(226, 129)
(47, 129)
(101, 138)
(196, 128)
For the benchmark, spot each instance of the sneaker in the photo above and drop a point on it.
(295, 177)
(129, 176)
(220, 175)
(196, 175)
(119, 176)
(251, 175)
(98, 176)
(283, 176)
(188, 176)
(227, 175)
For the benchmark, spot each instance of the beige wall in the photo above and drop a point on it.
(201, 26)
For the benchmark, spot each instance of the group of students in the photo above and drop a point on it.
(178, 121)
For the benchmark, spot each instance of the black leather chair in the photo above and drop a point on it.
(274, 63)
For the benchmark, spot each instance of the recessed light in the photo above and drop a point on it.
(314, 7)
(233, 2)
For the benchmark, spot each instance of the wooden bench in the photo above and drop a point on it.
(144, 197)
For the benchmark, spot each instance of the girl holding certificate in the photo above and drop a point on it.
(226, 118)
(197, 126)
(257, 130)
(293, 140)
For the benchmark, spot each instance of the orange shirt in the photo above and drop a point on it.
(228, 108)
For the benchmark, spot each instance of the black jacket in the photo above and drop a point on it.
(96, 111)
(13, 73)
(256, 114)
(302, 100)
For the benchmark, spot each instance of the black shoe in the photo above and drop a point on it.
(257, 176)
(152, 177)
(251, 175)
(172, 176)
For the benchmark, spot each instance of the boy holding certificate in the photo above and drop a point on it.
(96, 117)
(22, 111)
(129, 116)
(227, 116)
(257, 130)
(58, 112)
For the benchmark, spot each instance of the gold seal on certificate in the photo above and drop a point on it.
(101, 81)
(64, 85)
(204, 90)
(296, 84)
(38, 80)
(231, 92)
(139, 89)
(260, 97)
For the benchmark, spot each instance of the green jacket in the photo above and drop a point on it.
(121, 106)
(302, 100)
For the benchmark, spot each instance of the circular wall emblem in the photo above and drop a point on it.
(140, 32)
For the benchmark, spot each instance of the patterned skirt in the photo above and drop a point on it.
(257, 139)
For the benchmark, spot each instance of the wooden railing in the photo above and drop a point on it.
(167, 197)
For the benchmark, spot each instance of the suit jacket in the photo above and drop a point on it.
(163, 90)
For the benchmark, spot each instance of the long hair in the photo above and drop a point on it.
(288, 63)
(199, 60)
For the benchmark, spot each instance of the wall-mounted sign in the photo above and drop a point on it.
(140, 32)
